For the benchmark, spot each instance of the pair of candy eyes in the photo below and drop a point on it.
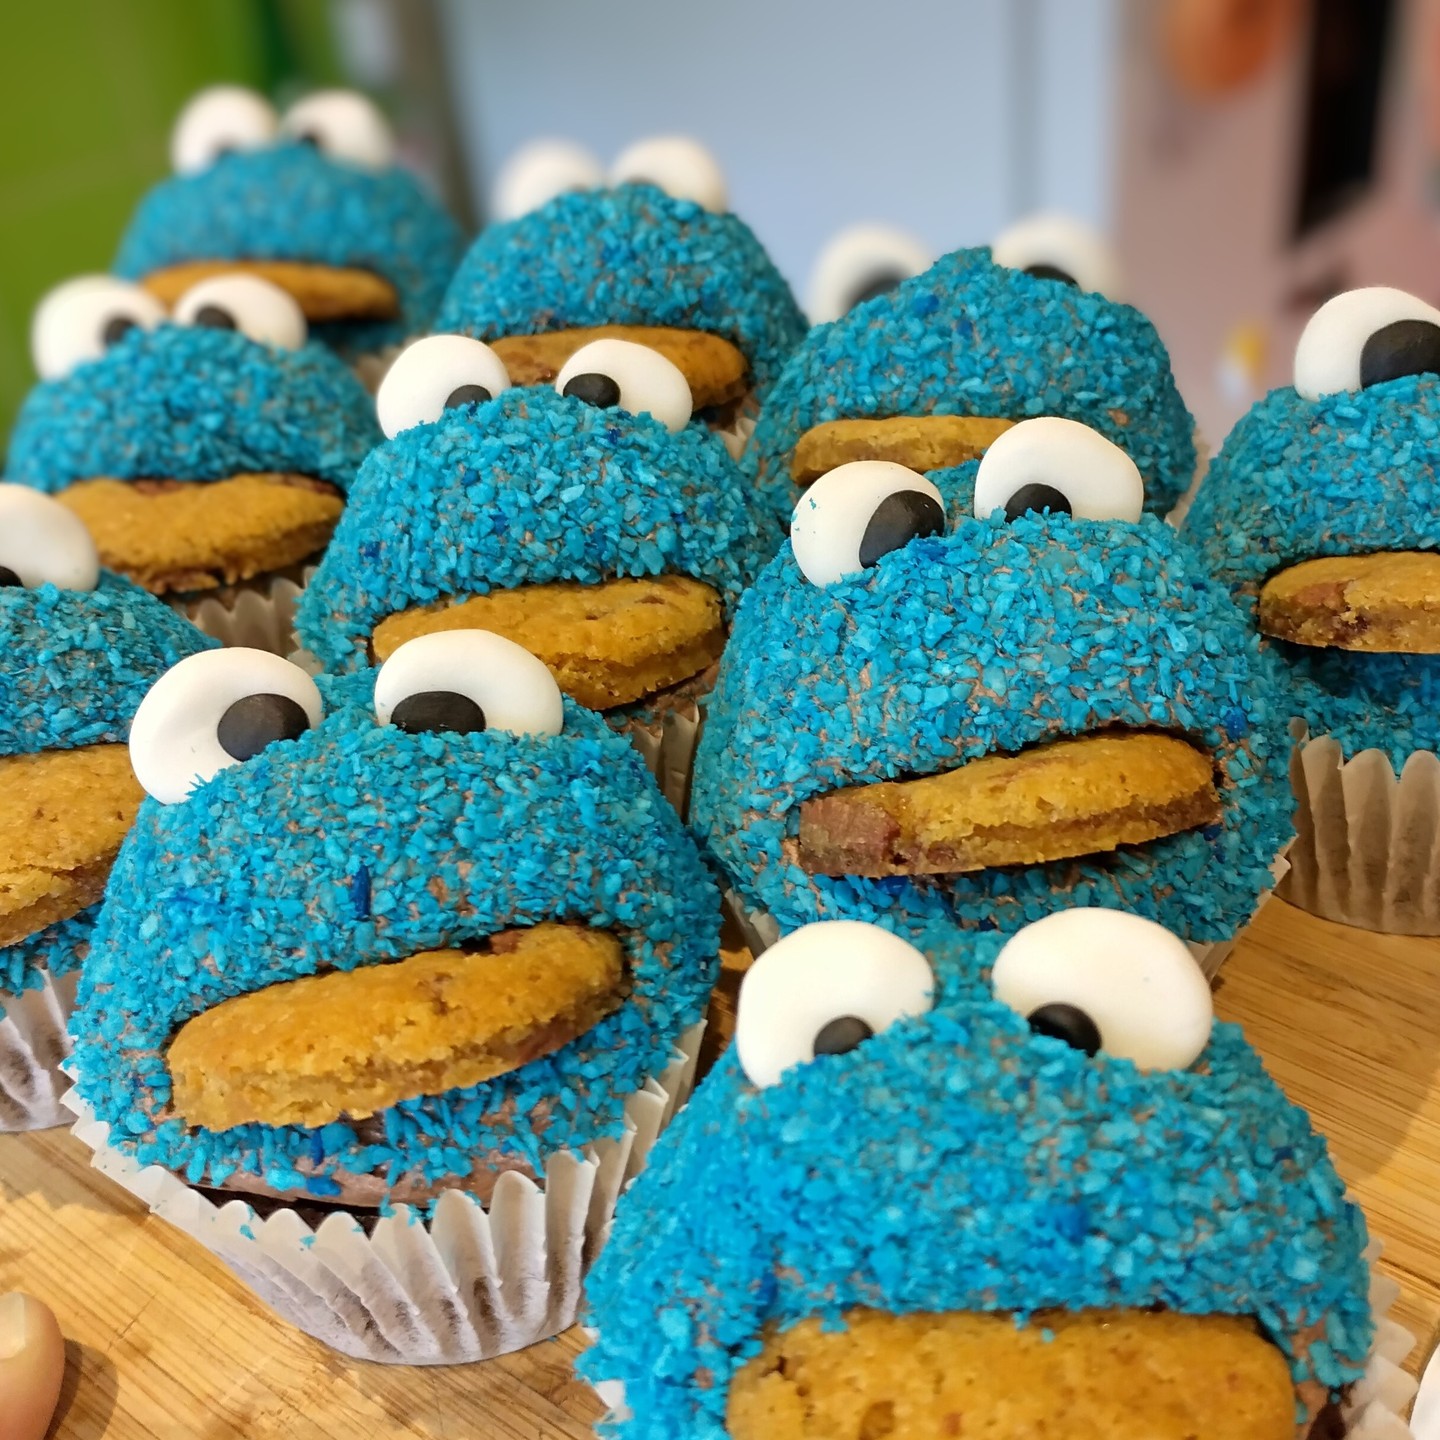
(449, 372)
(858, 512)
(1096, 980)
(223, 707)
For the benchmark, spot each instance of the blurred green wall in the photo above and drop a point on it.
(90, 90)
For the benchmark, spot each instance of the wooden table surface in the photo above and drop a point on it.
(163, 1342)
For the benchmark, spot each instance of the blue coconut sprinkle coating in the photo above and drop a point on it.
(292, 202)
(959, 1162)
(628, 256)
(58, 948)
(969, 337)
(987, 640)
(356, 844)
(1347, 474)
(194, 403)
(527, 489)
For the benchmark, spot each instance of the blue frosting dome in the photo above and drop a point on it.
(1348, 474)
(356, 844)
(969, 337)
(627, 256)
(291, 202)
(527, 489)
(959, 1162)
(986, 640)
(194, 403)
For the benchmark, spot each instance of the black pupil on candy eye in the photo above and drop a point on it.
(881, 284)
(898, 519)
(1068, 1023)
(438, 710)
(464, 395)
(9, 577)
(842, 1034)
(1042, 271)
(1036, 497)
(255, 721)
(116, 327)
(593, 389)
(214, 317)
(309, 137)
(1407, 347)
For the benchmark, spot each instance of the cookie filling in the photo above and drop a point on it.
(921, 442)
(607, 645)
(325, 293)
(178, 536)
(1082, 796)
(345, 1044)
(1387, 602)
(1091, 1375)
(63, 815)
(717, 372)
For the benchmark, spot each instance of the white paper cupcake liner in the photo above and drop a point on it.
(259, 614)
(33, 1046)
(1367, 848)
(667, 745)
(736, 435)
(469, 1283)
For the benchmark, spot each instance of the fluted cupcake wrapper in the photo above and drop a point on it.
(667, 744)
(33, 1046)
(259, 614)
(736, 435)
(468, 1283)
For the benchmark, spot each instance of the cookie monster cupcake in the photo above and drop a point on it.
(81, 649)
(651, 257)
(313, 202)
(590, 521)
(1002, 1190)
(395, 985)
(208, 452)
(932, 369)
(1320, 513)
(980, 715)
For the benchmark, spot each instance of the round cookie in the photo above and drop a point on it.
(902, 1208)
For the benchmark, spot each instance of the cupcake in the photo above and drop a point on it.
(81, 649)
(929, 372)
(653, 257)
(923, 1196)
(591, 522)
(208, 454)
(311, 201)
(979, 717)
(393, 989)
(1320, 513)
(858, 263)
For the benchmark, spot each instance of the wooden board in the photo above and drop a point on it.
(163, 1342)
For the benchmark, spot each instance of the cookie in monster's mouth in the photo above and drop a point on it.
(1385, 602)
(324, 293)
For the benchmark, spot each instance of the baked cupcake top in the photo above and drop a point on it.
(81, 649)
(456, 909)
(900, 1145)
(312, 201)
(1320, 511)
(636, 260)
(607, 530)
(1070, 710)
(244, 434)
(928, 373)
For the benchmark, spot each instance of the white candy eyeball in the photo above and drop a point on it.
(436, 374)
(218, 120)
(540, 171)
(1108, 980)
(1365, 337)
(822, 990)
(465, 681)
(213, 710)
(683, 168)
(41, 542)
(81, 319)
(1061, 466)
(1057, 247)
(257, 309)
(344, 125)
(860, 263)
(620, 373)
(857, 513)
